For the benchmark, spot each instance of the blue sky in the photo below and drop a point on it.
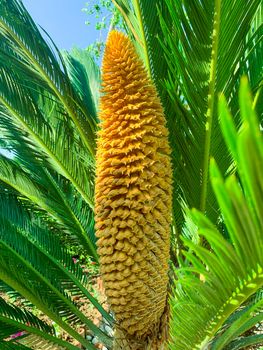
(64, 21)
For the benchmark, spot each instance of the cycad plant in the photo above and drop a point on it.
(180, 53)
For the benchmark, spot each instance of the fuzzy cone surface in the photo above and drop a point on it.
(133, 191)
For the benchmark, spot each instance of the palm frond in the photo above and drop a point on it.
(232, 272)
(52, 136)
(10, 292)
(243, 342)
(13, 346)
(250, 317)
(49, 286)
(13, 320)
(46, 194)
(209, 42)
(85, 76)
(47, 65)
(198, 41)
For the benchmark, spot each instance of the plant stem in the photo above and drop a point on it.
(211, 103)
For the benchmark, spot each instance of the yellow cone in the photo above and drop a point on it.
(133, 191)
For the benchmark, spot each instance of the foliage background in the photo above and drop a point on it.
(48, 121)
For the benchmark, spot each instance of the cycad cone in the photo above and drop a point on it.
(133, 194)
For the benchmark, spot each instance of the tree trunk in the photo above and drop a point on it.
(157, 340)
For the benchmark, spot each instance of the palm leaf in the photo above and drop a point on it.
(13, 319)
(49, 245)
(13, 346)
(10, 293)
(46, 194)
(47, 65)
(207, 46)
(85, 76)
(232, 272)
(53, 137)
(241, 343)
(249, 318)
(49, 286)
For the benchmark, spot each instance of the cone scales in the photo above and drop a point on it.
(133, 191)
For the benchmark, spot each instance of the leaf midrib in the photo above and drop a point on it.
(211, 104)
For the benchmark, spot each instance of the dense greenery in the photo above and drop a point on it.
(48, 120)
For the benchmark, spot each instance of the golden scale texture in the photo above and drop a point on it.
(133, 191)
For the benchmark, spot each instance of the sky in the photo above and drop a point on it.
(64, 21)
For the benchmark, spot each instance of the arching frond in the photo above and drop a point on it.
(207, 46)
(209, 42)
(49, 134)
(14, 320)
(85, 76)
(233, 271)
(44, 192)
(47, 66)
(49, 285)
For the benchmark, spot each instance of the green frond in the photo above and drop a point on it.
(85, 76)
(13, 320)
(205, 47)
(244, 342)
(13, 346)
(46, 194)
(46, 63)
(52, 136)
(233, 270)
(49, 286)
(252, 315)
(10, 292)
